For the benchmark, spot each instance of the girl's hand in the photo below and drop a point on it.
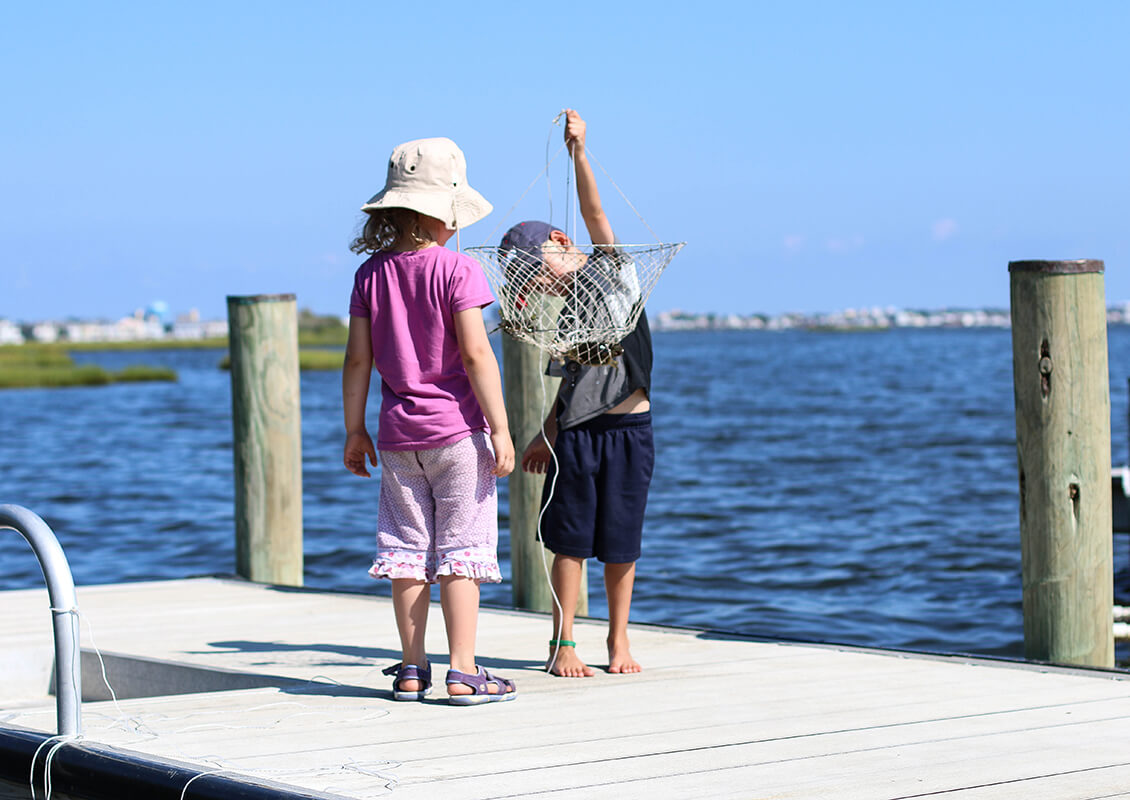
(357, 446)
(503, 453)
(574, 131)
(537, 456)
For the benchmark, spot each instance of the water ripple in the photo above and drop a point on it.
(829, 487)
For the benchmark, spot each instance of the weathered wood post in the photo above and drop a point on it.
(267, 437)
(1062, 388)
(525, 384)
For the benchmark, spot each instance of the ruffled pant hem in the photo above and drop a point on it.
(481, 569)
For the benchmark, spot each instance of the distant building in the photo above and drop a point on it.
(127, 329)
(45, 332)
(847, 319)
(199, 329)
(158, 309)
(10, 333)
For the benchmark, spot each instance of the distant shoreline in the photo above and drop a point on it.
(854, 319)
(850, 320)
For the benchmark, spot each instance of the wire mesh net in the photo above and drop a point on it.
(574, 303)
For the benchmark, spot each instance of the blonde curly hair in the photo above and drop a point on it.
(387, 226)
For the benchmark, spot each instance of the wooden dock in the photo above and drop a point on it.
(285, 688)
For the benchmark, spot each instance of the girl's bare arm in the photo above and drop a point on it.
(355, 375)
(486, 381)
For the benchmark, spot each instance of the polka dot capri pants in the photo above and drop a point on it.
(438, 513)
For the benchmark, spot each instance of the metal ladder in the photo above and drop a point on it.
(64, 610)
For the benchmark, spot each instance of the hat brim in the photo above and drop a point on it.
(456, 209)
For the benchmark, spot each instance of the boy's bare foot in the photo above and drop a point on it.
(620, 659)
(567, 664)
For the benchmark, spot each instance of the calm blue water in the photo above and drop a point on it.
(845, 487)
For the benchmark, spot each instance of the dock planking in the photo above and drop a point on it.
(712, 716)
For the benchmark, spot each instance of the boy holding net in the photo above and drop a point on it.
(599, 429)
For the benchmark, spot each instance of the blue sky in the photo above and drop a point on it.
(813, 155)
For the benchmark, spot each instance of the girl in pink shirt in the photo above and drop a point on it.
(442, 436)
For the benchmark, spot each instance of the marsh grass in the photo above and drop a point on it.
(33, 355)
(324, 337)
(316, 359)
(50, 364)
(311, 359)
(142, 344)
(329, 337)
(32, 366)
(24, 377)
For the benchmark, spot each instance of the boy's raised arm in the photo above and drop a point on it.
(600, 229)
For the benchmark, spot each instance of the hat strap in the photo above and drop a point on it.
(455, 221)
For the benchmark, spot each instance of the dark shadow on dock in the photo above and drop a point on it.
(245, 646)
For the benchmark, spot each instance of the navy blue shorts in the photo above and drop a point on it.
(598, 502)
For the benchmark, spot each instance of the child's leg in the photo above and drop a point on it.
(404, 535)
(619, 580)
(410, 600)
(566, 578)
(459, 597)
(629, 457)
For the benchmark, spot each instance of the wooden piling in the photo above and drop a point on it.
(529, 396)
(267, 437)
(1062, 391)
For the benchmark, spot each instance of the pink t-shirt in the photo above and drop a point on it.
(410, 300)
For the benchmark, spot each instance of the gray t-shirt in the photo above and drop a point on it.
(609, 292)
(587, 391)
(605, 292)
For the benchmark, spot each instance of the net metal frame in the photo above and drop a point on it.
(574, 302)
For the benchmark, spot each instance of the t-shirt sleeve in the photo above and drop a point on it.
(469, 287)
(359, 300)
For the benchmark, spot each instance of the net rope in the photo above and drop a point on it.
(575, 303)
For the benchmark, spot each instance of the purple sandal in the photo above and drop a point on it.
(480, 684)
(410, 672)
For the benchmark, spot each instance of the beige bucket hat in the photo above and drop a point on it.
(430, 176)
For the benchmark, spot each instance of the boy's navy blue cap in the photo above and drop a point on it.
(527, 237)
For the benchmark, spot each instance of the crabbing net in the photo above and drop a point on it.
(574, 303)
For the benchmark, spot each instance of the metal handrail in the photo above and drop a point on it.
(64, 610)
